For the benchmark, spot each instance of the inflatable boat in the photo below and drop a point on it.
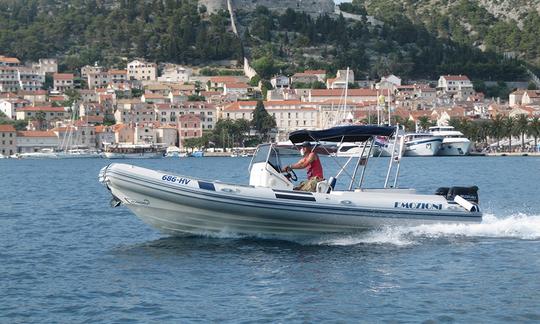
(269, 205)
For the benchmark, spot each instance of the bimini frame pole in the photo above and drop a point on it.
(365, 165)
(400, 155)
(357, 165)
(391, 158)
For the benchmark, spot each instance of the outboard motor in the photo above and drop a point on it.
(467, 193)
(442, 191)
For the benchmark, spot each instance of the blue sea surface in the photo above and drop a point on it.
(67, 257)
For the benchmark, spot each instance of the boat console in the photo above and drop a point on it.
(265, 169)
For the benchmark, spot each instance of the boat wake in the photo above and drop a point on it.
(518, 226)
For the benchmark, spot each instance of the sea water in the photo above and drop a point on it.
(66, 256)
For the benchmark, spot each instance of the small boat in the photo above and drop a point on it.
(350, 149)
(174, 152)
(269, 205)
(45, 153)
(454, 142)
(133, 151)
(197, 154)
(78, 153)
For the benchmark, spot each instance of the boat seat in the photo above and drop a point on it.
(326, 186)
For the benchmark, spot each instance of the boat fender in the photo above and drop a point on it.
(346, 202)
(466, 204)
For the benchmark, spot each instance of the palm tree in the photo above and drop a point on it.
(424, 122)
(509, 129)
(483, 130)
(497, 128)
(534, 131)
(521, 126)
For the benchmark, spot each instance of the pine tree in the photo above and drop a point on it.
(262, 121)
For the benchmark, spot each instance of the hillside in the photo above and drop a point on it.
(415, 41)
(506, 26)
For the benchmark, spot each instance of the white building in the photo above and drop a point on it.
(457, 85)
(238, 89)
(46, 65)
(290, 115)
(175, 73)
(141, 70)
(97, 80)
(9, 79)
(90, 69)
(279, 81)
(9, 106)
(167, 135)
(30, 79)
(63, 81)
(34, 141)
(354, 95)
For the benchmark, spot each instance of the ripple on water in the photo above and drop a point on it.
(67, 257)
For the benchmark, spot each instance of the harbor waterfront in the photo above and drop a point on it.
(68, 257)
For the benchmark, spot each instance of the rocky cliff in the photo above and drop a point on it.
(310, 6)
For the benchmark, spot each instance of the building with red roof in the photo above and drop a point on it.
(8, 140)
(63, 81)
(459, 86)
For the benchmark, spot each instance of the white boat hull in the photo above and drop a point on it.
(423, 148)
(114, 155)
(180, 205)
(36, 155)
(454, 148)
(62, 155)
(427, 147)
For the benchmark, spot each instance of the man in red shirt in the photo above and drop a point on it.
(312, 162)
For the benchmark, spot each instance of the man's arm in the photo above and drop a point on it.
(303, 163)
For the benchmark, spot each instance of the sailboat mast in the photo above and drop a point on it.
(346, 91)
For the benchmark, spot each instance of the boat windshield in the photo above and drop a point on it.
(267, 153)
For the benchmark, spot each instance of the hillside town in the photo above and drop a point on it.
(169, 104)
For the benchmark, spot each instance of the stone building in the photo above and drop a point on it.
(8, 137)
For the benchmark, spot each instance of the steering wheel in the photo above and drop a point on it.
(291, 175)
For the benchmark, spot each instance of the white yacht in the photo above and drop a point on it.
(45, 153)
(454, 142)
(415, 144)
(133, 151)
(352, 149)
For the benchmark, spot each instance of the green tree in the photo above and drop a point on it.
(191, 143)
(262, 122)
(424, 123)
(509, 129)
(521, 128)
(534, 130)
(497, 129)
